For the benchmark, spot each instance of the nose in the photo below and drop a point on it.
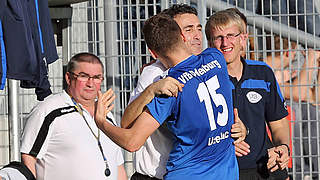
(225, 41)
(197, 34)
(90, 82)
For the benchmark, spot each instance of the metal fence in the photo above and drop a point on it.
(112, 30)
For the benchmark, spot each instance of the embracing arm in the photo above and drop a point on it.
(136, 107)
(130, 139)
(168, 86)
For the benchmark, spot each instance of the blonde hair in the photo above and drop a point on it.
(221, 20)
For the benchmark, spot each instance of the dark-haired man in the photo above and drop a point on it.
(150, 160)
(199, 118)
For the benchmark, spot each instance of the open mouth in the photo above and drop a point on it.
(227, 50)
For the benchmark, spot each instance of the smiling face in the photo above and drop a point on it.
(192, 31)
(84, 91)
(230, 47)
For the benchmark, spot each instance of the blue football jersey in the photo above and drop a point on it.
(200, 119)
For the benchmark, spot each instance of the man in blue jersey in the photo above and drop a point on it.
(150, 160)
(257, 96)
(199, 118)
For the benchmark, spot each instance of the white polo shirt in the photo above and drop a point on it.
(68, 150)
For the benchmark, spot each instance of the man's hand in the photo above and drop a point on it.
(242, 149)
(239, 132)
(278, 158)
(238, 129)
(168, 86)
(104, 106)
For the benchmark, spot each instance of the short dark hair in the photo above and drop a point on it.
(161, 33)
(83, 57)
(178, 9)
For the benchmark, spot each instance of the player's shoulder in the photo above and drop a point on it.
(259, 66)
(150, 74)
(256, 63)
(210, 51)
(210, 54)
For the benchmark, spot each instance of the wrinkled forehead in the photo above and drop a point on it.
(187, 19)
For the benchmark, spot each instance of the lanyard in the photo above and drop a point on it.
(107, 171)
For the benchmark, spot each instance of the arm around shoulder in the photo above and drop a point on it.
(136, 107)
(168, 86)
(130, 139)
(133, 138)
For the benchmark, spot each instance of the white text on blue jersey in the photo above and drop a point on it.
(186, 76)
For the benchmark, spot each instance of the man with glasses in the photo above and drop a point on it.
(61, 139)
(257, 96)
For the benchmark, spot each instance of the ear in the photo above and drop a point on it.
(68, 78)
(153, 54)
(244, 37)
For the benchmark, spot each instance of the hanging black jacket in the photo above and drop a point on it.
(27, 44)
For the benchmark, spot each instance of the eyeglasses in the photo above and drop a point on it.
(83, 77)
(230, 37)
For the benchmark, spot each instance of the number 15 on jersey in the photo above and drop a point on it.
(207, 91)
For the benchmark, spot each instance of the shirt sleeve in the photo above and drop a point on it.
(11, 174)
(111, 119)
(31, 131)
(162, 107)
(119, 155)
(149, 75)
